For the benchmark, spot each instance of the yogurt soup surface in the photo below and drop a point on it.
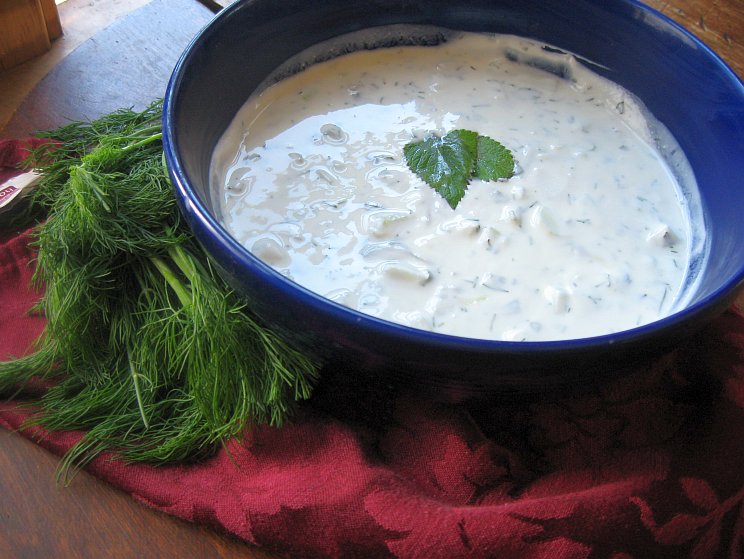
(591, 235)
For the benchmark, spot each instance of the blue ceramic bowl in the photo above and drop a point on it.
(685, 85)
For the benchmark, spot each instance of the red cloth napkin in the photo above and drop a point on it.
(12, 152)
(651, 465)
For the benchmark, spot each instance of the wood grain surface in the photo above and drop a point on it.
(23, 32)
(82, 19)
(89, 519)
(718, 23)
(127, 64)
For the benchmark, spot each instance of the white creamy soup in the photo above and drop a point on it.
(590, 236)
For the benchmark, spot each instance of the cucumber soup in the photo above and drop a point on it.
(590, 236)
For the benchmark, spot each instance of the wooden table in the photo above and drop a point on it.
(128, 64)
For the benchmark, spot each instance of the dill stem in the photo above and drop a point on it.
(173, 281)
(137, 392)
(88, 180)
(183, 261)
(145, 141)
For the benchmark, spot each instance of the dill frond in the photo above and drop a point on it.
(158, 359)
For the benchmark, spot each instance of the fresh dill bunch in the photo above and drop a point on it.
(153, 355)
(68, 144)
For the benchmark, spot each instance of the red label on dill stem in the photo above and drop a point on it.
(7, 193)
(13, 188)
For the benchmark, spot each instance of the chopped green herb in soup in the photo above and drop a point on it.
(588, 236)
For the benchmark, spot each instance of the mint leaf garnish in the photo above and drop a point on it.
(445, 164)
(448, 163)
(494, 160)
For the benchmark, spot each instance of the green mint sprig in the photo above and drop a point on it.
(448, 163)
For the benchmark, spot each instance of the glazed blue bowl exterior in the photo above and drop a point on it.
(686, 86)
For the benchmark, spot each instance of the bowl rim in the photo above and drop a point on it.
(198, 216)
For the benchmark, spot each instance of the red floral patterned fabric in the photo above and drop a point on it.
(651, 465)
